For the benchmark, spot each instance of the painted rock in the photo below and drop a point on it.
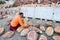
(1, 30)
(49, 31)
(19, 29)
(8, 34)
(42, 28)
(24, 32)
(48, 23)
(56, 37)
(32, 35)
(42, 37)
(57, 29)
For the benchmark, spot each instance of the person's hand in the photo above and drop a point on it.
(30, 27)
(26, 26)
(26, 19)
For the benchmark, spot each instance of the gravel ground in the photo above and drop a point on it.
(17, 36)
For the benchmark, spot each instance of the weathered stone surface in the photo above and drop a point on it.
(43, 37)
(19, 29)
(56, 37)
(49, 31)
(8, 34)
(42, 28)
(32, 35)
(24, 32)
(48, 23)
(1, 30)
(57, 29)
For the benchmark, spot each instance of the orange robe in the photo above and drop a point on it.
(18, 20)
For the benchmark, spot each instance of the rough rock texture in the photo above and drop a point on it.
(1, 16)
(19, 29)
(48, 23)
(37, 29)
(32, 35)
(42, 28)
(1, 30)
(24, 32)
(56, 37)
(43, 37)
(49, 31)
(8, 21)
(57, 29)
(8, 34)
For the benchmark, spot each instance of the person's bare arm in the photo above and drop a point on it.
(21, 22)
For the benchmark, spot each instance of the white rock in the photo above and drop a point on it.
(24, 32)
(56, 37)
(1, 30)
(42, 28)
(8, 34)
(32, 35)
(42, 37)
(49, 31)
(53, 5)
(57, 29)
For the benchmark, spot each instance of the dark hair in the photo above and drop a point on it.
(20, 13)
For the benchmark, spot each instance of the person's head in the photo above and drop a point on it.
(21, 14)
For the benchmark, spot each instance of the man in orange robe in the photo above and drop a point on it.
(17, 22)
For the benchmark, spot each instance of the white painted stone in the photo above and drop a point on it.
(49, 31)
(32, 35)
(8, 34)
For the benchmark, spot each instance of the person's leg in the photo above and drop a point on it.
(14, 28)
